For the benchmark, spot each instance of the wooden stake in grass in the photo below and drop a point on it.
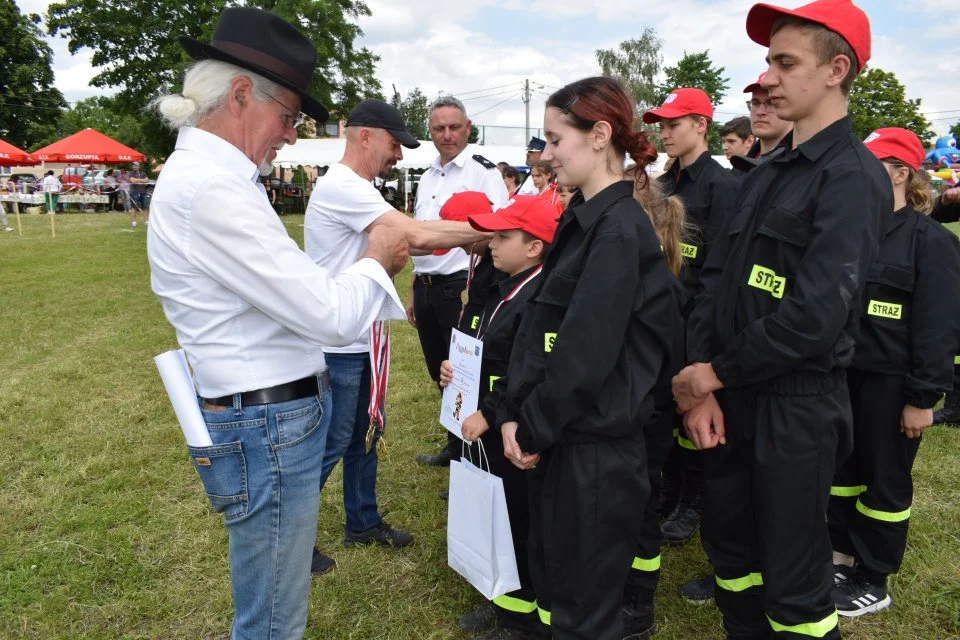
(16, 211)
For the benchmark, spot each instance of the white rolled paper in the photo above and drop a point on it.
(179, 385)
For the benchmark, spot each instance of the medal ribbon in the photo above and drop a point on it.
(379, 377)
(509, 297)
(474, 261)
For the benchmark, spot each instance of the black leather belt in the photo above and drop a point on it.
(431, 279)
(303, 388)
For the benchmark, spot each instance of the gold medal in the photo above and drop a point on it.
(464, 297)
(368, 441)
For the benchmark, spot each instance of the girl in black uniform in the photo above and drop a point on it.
(523, 231)
(909, 324)
(591, 348)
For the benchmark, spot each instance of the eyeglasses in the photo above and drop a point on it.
(754, 105)
(289, 121)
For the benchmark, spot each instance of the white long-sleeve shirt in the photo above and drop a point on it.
(251, 310)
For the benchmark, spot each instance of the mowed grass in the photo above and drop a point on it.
(105, 531)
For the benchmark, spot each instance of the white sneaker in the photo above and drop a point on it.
(133, 224)
(8, 229)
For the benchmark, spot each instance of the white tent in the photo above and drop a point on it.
(323, 152)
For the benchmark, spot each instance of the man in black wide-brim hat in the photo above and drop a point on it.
(252, 311)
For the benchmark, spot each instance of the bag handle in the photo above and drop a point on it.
(469, 455)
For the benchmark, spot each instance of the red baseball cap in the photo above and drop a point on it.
(840, 16)
(681, 102)
(533, 214)
(756, 85)
(897, 143)
(461, 206)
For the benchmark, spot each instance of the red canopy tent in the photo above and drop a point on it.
(88, 145)
(11, 156)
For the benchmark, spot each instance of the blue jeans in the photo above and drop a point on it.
(139, 198)
(261, 473)
(350, 382)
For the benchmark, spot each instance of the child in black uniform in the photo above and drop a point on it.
(909, 323)
(523, 230)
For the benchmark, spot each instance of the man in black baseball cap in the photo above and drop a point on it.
(377, 114)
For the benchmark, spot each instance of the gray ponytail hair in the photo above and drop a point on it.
(205, 87)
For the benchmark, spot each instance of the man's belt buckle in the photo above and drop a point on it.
(427, 279)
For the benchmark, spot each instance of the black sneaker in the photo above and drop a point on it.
(441, 459)
(856, 596)
(841, 573)
(638, 622)
(949, 413)
(321, 564)
(478, 620)
(382, 534)
(699, 591)
(683, 522)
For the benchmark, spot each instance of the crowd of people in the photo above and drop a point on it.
(755, 350)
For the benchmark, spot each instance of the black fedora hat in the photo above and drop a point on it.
(269, 46)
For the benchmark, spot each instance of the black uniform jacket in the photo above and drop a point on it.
(485, 277)
(945, 212)
(708, 192)
(597, 336)
(782, 286)
(497, 332)
(910, 316)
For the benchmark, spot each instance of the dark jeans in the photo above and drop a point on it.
(346, 438)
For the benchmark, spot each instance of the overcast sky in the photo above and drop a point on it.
(482, 52)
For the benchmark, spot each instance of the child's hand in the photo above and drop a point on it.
(446, 373)
(474, 427)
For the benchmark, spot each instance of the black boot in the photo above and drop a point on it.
(637, 614)
(685, 519)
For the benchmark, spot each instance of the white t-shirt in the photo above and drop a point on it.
(51, 184)
(341, 206)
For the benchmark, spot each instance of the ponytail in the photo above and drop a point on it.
(919, 191)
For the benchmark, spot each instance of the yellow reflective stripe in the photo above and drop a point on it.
(741, 584)
(544, 615)
(689, 250)
(492, 380)
(646, 564)
(683, 442)
(847, 492)
(885, 309)
(812, 629)
(515, 604)
(956, 359)
(474, 322)
(886, 516)
(767, 280)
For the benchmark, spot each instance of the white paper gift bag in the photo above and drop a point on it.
(479, 542)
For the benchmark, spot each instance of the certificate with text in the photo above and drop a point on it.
(461, 397)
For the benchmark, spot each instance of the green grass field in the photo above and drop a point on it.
(105, 530)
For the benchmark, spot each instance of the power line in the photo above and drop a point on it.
(489, 96)
(463, 93)
(496, 105)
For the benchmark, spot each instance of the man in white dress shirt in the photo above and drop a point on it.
(252, 311)
(439, 281)
(344, 207)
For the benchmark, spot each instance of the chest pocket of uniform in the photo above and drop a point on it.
(785, 226)
(552, 303)
(888, 293)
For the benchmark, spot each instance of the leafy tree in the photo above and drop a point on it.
(878, 100)
(636, 64)
(135, 48)
(415, 110)
(696, 70)
(955, 131)
(29, 104)
(474, 134)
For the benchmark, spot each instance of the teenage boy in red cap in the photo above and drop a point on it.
(523, 230)
(773, 331)
(909, 323)
(707, 190)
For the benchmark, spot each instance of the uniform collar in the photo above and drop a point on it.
(587, 213)
(459, 160)
(814, 148)
(219, 151)
(693, 171)
(507, 285)
(897, 219)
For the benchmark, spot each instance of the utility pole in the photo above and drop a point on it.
(526, 102)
